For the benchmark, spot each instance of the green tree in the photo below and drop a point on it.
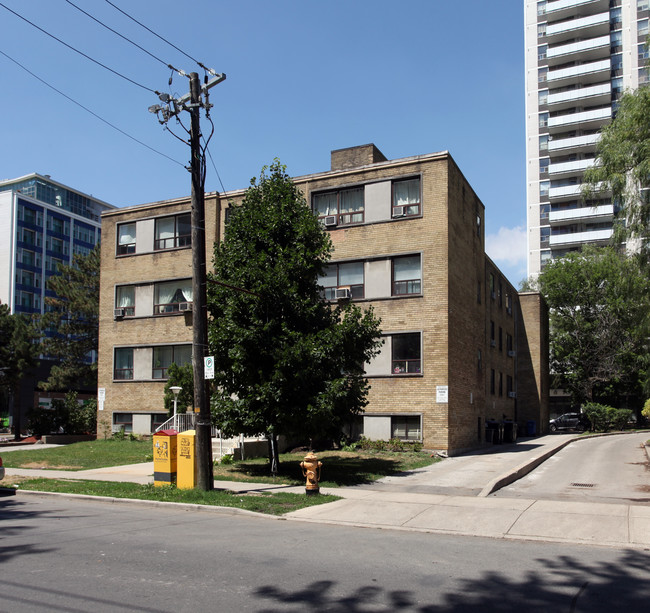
(286, 362)
(70, 327)
(18, 355)
(180, 376)
(623, 167)
(599, 304)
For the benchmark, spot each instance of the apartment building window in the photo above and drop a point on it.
(479, 361)
(172, 232)
(642, 27)
(164, 357)
(543, 142)
(542, 97)
(29, 258)
(509, 387)
(347, 275)
(169, 296)
(509, 304)
(500, 384)
(492, 381)
(541, 52)
(406, 353)
(406, 428)
(541, 7)
(642, 5)
(541, 30)
(52, 264)
(492, 287)
(125, 299)
(500, 338)
(543, 119)
(126, 239)
(644, 76)
(492, 334)
(123, 369)
(407, 275)
(544, 186)
(342, 207)
(123, 421)
(509, 345)
(406, 197)
(542, 74)
(31, 216)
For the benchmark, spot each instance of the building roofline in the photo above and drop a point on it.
(48, 178)
(298, 179)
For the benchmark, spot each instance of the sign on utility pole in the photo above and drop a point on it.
(193, 102)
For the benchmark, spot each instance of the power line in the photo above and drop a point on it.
(117, 8)
(89, 111)
(79, 52)
(101, 23)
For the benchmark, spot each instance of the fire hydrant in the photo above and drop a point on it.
(311, 470)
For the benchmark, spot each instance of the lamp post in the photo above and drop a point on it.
(175, 389)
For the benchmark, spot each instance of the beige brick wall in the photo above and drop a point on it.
(455, 325)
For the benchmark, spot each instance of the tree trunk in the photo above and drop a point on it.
(274, 456)
(14, 399)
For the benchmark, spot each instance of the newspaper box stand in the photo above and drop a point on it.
(164, 457)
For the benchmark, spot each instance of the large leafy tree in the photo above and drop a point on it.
(286, 362)
(623, 167)
(599, 302)
(70, 327)
(18, 355)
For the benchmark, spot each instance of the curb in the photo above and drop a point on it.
(184, 506)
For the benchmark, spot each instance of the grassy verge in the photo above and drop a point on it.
(276, 503)
(340, 468)
(81, 456)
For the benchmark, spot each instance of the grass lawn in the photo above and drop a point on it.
(340, 468)
(81, 456)
(276, 503)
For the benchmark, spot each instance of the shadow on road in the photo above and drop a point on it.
(601, 587)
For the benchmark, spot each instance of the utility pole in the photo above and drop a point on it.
(198, 98)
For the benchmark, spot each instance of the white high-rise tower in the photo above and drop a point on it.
(580, 56)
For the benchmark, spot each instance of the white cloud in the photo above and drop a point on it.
(507, 246)
(509, 251)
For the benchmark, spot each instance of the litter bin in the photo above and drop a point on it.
(496, 430)
(531, 427)
(164, 457)
(510, 431)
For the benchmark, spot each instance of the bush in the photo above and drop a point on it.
(66, 416)
(394, 444)
(603, 417)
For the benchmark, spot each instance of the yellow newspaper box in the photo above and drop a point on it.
(187, 469)
(164, 457)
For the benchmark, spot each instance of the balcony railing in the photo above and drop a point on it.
(582, 213)
(588, 236)
(576, 141)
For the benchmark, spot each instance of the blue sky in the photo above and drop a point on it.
(304, 77)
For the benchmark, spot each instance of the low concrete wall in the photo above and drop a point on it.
(66, 439)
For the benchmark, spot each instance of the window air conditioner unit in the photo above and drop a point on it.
(185, 306)
(399, 211)
(512, 354)
(118, 313)
(342, 293)
(512, 394)
(330, 220)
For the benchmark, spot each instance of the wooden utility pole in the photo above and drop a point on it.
(205, 478)
(193, 103)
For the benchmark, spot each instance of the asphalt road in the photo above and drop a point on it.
(60, 554)
(600, 469)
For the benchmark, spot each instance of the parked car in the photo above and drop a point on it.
(569, 421)
(2, 470)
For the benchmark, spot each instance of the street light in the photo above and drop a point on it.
(176, 390)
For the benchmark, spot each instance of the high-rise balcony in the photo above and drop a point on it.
(561, 9)
(582, 27)
(585, 213)
(582, 50)
(593, 95)
(589, 119)
(588, 236)
(590, 72)
(564, 191)
(588, 140)
(570, 168)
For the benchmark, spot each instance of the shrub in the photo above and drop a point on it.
(394, 444)
(65, 416)
(603, 417)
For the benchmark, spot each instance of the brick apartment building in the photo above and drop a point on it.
(462, 347)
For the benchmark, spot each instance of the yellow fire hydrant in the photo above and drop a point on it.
(311, 470)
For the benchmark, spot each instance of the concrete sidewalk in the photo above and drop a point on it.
(449, 497)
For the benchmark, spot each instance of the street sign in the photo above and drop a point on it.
(208, 367)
